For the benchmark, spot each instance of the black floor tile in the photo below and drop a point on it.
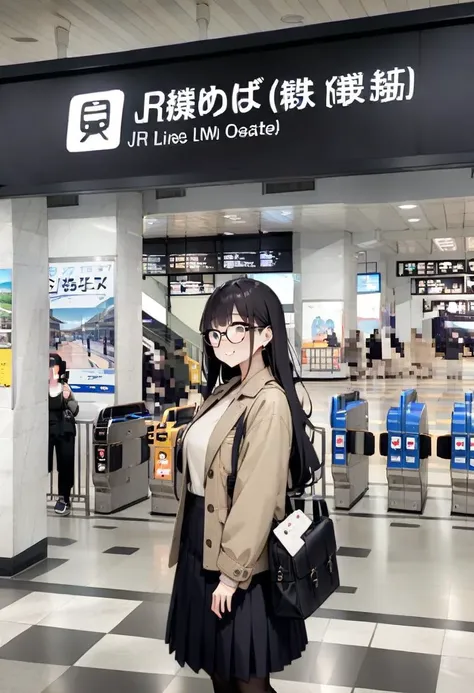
(146, 621)
(41, 568)
(327, 664)
(61, 541)
(9, 595)
(50, 645)
(353, 552)
(79, 679)
(122, 550)
(104, 527)
(410, 525)
(346, 589)
(404, 672)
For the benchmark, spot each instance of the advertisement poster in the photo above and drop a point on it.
(322, 324)
(368, 313)
(5, 328)
(81, 323)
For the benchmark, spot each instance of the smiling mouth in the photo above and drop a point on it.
(230, 353)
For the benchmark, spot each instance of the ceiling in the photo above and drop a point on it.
(394, 227)
(105, 26)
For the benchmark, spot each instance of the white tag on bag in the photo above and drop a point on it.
(290, 531)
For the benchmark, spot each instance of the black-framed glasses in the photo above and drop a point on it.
(235, 334)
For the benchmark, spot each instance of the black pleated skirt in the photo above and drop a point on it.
(249, 642)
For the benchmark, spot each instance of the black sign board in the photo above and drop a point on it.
(194, 285)
(226, 111)
(451, 266)
(416, 268)
(425, 268)
(192, 263)
(437, 286)
(450, 306)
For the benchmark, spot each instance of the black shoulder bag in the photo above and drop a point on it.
(301, 583)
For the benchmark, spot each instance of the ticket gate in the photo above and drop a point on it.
(352, 445)
(164, 476)
(121, 453)
(407, 447)
(459, 449)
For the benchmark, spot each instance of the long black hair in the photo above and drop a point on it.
(258, 305)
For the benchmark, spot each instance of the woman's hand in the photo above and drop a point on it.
(222, 599)
(66, 391)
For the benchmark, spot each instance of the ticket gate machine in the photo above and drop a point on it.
(164, 476)
(121, 453)
(407, 447)
(352, 445)
(459, 449)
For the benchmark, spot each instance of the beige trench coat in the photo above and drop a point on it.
(235, 540)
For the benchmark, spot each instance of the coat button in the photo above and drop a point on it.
(245, 573)
(237, 573)
(209, 543)
(210, 474)
(210, 508)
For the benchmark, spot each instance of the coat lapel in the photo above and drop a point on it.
(222, 429)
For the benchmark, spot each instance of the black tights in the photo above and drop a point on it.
(235, 686)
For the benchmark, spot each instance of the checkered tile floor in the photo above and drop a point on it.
(68, 643)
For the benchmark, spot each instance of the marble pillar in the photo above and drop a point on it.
(24, 406)
(128, 298)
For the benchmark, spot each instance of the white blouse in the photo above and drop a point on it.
(196, 441)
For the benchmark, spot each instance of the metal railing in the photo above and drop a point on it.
(81, 492)
(324, 359)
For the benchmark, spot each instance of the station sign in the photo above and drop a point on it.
(438, 286)
(268, 107)
(433, 268)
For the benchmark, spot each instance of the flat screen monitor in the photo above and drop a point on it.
(368, 283)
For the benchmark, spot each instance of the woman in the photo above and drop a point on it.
(220, 616)
(63, 409)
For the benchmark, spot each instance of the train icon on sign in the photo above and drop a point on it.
(95, 121)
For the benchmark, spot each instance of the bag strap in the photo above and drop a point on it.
(240, 431)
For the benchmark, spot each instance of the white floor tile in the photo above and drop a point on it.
(349, 632)
(458, 644)
(34, 607)
(455, 675)
(315, 628)
(8, 631)
(26, 677)
(293, 687)
(409, 639)
(91, 613)
(125, 653)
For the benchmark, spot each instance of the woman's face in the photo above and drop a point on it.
(54, 372)
(232, 342)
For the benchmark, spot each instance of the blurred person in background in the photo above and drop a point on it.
(63, 410)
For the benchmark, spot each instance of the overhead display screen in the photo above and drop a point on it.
(368, 283)
(195, 285)
(154, 265)
(437, 286)
(240, 261)
(276, 261)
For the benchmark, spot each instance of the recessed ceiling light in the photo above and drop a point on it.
(407, 206)
(415, 220)
(24, 39)
(445, 243)
(292, 19)
(229, 233)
